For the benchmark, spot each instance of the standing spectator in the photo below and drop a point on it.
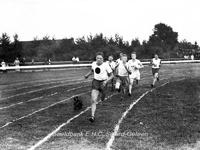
(77, 59)
(24, 61)
(45, 61)
(32, 62)
(185, 56)
(73, 60)
(49, 61)
(16, 63)
(3, 65)
(192, 57)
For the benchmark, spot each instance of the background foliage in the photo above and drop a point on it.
(163, 41)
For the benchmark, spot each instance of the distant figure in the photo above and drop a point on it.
(185, 56)
(24, 61)
(16, 63)
(77, 59)
(73, 60)
(45, 61)
(32, 61)
(49, 61)
(3, 65)
(192, 57)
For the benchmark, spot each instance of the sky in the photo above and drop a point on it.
(76, 18)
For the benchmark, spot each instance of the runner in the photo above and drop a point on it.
(117, 63)
(134, 65)
(122, 77)
(102, 75)
(111, 63)
(156, 64)
(119, 59)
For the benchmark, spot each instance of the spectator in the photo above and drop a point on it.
(24, 61)
(49, 61)
(73, 60)
(32, 61)
(16, 63)
(45, 61)
(77, 59)
(192, 57)
(185, 56)
(3, 65)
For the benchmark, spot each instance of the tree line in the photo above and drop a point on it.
(163, 41)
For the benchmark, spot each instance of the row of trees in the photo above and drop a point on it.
(163, 41)
(10, 50)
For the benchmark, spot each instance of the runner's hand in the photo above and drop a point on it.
(105, 82)
(86, 76)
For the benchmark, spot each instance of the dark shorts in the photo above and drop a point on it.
(98, 85)
(123, 80)
(155, 70)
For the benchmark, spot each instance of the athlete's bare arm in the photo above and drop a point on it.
(151, 63)
(88, 74)
(141, 65)
(111, 76)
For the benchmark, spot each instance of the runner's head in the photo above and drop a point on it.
(133, 55)
(124, 58)
(156, 56)
(110, 58)
(99, 58)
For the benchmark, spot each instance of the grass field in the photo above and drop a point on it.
(36, 112)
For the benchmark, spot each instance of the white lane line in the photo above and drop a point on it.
(110, 142)
(37, 98)
(41, 109)
(59, 127)
(33, 81)
(42, 89)
(25, 87)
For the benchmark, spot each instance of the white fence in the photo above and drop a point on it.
(82, 65)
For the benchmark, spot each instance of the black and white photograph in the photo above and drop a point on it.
(99, 75)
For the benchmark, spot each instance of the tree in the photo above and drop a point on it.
(164, 34)
(5, 47)
(17, 46)
(187, 48)
(164, 37)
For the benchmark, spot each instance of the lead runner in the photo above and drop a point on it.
(102, 75)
